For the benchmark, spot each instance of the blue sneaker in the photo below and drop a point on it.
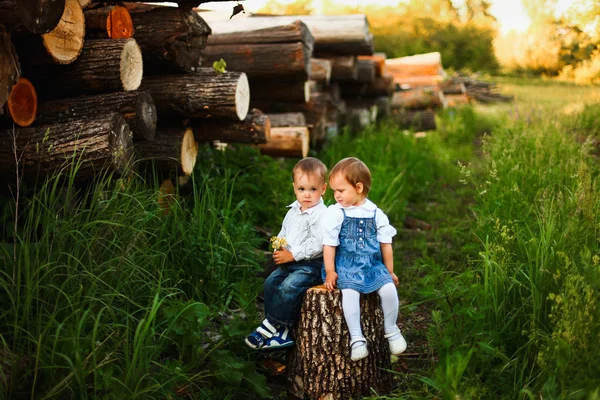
(258, 339)
(280, 340)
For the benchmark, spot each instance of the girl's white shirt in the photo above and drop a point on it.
(333, 218)
(303, 232)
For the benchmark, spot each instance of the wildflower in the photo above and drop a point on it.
(278, 243)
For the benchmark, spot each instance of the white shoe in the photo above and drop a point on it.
(358, 352)
(398, 345)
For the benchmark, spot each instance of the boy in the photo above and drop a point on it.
(300, 263)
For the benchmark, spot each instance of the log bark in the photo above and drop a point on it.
(419, 64)
(279, 120)
(341, 34)
(91, 145)
(319, 364)
(172, 39)
(343, 68)
(379, 60)
(290, 61)
(10, 69)
(412, 82)
(292, 141)
(416, 120)
(452, 87)
(294, 32)
(172, 148)
(381, 86)
(103, 66)
(22, 103)
(419, 98)
(109, 22)
(137, 107)
(38, 16)
(254, 129)
(365, 71)
(320, 70)
(269, 90)
(206, 94)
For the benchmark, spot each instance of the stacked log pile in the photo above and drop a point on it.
(118, 86)
(475, 89)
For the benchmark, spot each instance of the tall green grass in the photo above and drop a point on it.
(105, 295)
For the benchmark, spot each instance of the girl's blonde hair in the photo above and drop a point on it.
(354, 171)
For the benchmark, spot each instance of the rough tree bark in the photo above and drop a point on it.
(279, 120)
(381, 86)
(10, 69)
(172, 40)
(319, 365)
(290, 92)
(38, 16)
(206, 94)
(365, 71)
(255, 129)
(137, 107)
(379, 60)
(172, 148)
(343, 68)
(93, 144)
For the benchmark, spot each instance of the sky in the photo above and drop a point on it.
(510, 13)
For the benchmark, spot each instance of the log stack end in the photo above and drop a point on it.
(242, 97)
(132, 66)
(65, 42)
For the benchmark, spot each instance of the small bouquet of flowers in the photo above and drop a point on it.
(278, 243)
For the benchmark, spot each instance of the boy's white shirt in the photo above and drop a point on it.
(333, 218)
(303, 232)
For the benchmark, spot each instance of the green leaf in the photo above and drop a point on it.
(219, 66)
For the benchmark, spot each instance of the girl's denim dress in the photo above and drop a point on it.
(358, 259)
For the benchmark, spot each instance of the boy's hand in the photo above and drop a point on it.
(282, 256)
(395, 279)
(330, 280)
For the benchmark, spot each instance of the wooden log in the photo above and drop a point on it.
(365, 71)
(205, 94)
(264, 61)
(10, 69)
(457, 100)
(91, 144)
(379, 60)
(413, 82)
(294, 32)
(340, 34)
(38, 16)
(419, 64)
(381, 86)
(291, 141)
(136, 106)
(279, 120)
(452, 87)
(103, 66)
(319, 365)
(320, 70)
(254, 129)
(172, 148)
(172, 39)
(423, 120)
(109, 22)
(22, 103)
(418, 98)
(343, 68)
(270, 90)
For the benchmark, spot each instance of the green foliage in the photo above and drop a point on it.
(219, 66)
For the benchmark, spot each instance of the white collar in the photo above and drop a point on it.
(297, 206)
(369, 206)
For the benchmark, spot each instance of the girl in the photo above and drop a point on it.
(357, 252)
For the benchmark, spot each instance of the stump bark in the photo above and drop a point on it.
(319, 365)
(10, 69)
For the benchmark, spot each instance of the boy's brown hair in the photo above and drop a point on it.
(310, 166)
(354, 171)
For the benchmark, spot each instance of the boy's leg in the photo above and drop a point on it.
(389, 305)
(351, 307)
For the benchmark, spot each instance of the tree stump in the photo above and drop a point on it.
(319, 365)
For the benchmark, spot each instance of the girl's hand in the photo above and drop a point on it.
(395, 279)
(283, 256)
(330, 280)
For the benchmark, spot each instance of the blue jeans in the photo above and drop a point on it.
(285, 288)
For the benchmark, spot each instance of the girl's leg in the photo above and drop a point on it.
(389, 305)
(351, 307)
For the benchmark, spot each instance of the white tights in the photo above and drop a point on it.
(389, 305)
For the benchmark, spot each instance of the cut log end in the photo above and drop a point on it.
(242, 97)
(189, 152)
(119, 24)
(22, 103)
(120, 141)
(132, 67)
(65, 42)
